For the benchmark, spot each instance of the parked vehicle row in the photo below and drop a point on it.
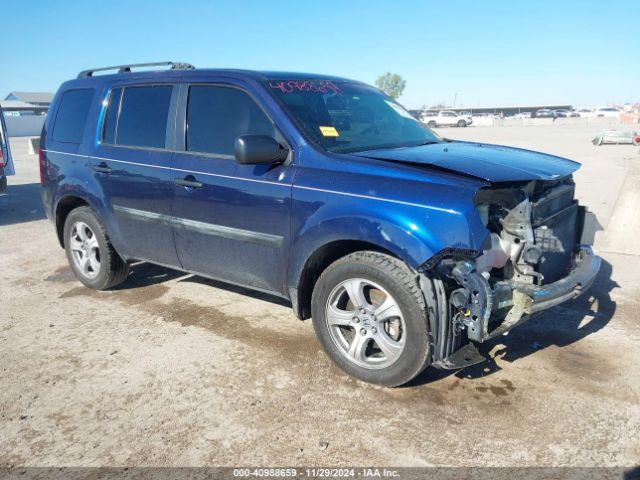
(610, 112)
(566, 113)
(438, 118)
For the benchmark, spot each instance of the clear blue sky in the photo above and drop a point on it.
(489, 52)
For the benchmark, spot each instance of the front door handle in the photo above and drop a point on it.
(102, 168)
(188, 181)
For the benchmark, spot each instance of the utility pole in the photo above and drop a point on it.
(454, 99)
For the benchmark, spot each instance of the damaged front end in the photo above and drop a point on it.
(533, 258)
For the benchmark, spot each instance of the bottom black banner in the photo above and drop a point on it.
(445, 473)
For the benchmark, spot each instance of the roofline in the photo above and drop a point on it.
(125, 71)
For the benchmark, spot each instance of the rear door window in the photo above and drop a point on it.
(72, 115)
(137, 116)
(217, 115)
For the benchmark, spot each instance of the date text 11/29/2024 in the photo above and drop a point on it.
(316, 472)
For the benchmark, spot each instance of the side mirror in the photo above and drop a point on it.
(256, 149)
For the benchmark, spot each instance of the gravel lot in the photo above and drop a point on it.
(172, 369)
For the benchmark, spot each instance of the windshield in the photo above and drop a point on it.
(349, 117)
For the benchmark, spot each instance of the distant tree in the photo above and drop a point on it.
(392, 84)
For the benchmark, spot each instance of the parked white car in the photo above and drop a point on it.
(585, 112)
(606, 112)
(444, 118)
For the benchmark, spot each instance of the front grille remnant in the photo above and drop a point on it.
(535, 227)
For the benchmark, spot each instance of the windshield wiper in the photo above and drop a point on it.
(381, 147)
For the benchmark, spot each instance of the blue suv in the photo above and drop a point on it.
(404, 247)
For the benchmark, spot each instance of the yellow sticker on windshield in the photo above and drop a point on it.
(329, 132)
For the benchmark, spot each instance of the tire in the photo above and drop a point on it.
(462, 123)
(391, 280)
(91, 256)
(431, 124)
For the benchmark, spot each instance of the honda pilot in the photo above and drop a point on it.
(405, 248)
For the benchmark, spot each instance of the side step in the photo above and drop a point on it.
(464, 357)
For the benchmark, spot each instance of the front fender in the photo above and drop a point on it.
(413, 233)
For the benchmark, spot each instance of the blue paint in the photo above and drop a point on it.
(412, 201)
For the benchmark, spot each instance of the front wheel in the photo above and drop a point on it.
(462, 123)
(369, 314)
(89, 251)
(431, 124)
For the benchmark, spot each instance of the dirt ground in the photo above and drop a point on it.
(175, 370)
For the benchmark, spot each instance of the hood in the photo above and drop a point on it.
(493, 163)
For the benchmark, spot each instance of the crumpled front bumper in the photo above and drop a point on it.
(516, 302)
(487, 310)
(495, 309)
(584, 272)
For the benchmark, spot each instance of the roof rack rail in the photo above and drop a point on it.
(127, 68)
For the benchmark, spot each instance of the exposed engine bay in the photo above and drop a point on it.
(532, 259)
(534, 229)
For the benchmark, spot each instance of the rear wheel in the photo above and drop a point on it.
(90, 253)
(462, 123)
(431, 124)
(369, 315)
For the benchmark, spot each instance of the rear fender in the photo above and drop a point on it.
(75, 190)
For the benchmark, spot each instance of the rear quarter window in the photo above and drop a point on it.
(72, 115)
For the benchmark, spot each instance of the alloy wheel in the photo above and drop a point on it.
(365, 323)
(85, 250)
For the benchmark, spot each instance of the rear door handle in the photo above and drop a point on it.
(188, 181)
(102, 168)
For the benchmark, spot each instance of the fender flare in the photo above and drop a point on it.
(357, 233)
(401, 243)
(93, 201)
